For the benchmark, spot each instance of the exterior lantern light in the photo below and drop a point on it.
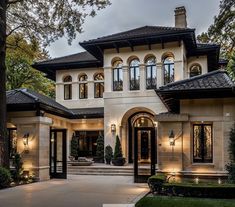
(113, 128)
(196, 180)
(219, 181)
(172, 138)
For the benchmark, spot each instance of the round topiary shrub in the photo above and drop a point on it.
(5, 178)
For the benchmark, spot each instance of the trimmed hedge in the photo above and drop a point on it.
(156, 182)
(199, 190)
(5, 178)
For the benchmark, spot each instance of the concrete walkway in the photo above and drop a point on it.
(76, 191)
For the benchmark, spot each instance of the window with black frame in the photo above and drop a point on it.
(169, 71)
(67, 87)
(195, 70)
(134, 74)
(83, 87)
(99, 85)
(12, 137)
(117, 76)
(202, 143)
(151, 73)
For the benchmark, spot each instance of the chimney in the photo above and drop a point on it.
(180, 17)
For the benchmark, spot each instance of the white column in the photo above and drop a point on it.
(142, 78)
(160, 75)
(125, 70)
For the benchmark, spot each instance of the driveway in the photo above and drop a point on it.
(78, 190)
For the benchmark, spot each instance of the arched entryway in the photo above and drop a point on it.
(141, 143)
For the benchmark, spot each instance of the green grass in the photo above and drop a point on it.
(166, 201)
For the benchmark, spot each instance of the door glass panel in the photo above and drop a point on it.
(52, 151)
(144, 152)
(59, 152)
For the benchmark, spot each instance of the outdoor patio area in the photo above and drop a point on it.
(79, 190)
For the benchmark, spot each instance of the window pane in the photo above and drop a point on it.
(68, 79)
(67, 91)
(99, 90)
(117, 79)
(83, 90)
(151, 77)
(195, 70)
(99, 77)
(202, 143)
(169, 73)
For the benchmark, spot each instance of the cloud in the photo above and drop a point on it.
(128, 14)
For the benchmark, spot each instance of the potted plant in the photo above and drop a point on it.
(118, 159)
(108, 154)
(100, 150)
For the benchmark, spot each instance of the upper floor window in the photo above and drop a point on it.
(202, 143)
(195, 70)
(83, 87)
(169, 71)
(151, 73)
(117, 76)
(99, 85)
(67, 87)
(134, 75)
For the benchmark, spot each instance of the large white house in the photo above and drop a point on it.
(165, 95)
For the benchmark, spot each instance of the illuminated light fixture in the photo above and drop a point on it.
(196, 180)
(172, 138)
(113, 127)
(219, 181)
(52, 139)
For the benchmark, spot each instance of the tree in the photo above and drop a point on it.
(222, 31)
(118, 149)
(100, 149)
(45, 21)
(19, 73)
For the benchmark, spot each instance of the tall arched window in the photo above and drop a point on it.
(67, 87)
(134, 75)
(195, 70)
(99, 85)
(83, 87)
(169, 71)
(151, 73)
(117, 76)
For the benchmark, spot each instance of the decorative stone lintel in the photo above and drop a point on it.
(168, 117)
(32, 120)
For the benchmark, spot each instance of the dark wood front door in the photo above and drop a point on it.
(144, 153)
(58, 160)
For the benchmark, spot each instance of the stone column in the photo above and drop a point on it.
(108, 79)
(91, 90)
(142, 77)
(126, 85)
(160, 75)
(36, 157)
(75, 91)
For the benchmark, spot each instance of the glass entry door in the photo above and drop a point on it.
(58, 161)
(144, 154)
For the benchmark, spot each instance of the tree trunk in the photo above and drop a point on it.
(4, 156)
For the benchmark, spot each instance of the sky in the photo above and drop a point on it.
(124, 15)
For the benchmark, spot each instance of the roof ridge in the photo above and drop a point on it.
(25, 91)
(194, 78)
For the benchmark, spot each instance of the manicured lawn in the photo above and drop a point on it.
(166, 201)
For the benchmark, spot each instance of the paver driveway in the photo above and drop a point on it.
(76, 191)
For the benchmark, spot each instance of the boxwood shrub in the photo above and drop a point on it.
(155, 183)
(199, 190)
(5, 178)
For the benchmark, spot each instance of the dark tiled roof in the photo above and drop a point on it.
(82, 56)
(88, 112)
(211, 80)
(25, 97)
(139, 32)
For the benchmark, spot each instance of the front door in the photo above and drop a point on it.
(58, 161)
(144, 153)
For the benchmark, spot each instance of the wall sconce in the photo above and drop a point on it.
(26, 142)
(172, 138)
(197, 180)
(113, 128)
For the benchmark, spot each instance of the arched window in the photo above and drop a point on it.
(99, 85)
(134, 75)
(67, 87)
(117, 76)
(195, 70)
(151, 73)
(169, 71)
(83, 87)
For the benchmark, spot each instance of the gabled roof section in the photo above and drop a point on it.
(78, 60)
(216, 84)
(28, 100)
